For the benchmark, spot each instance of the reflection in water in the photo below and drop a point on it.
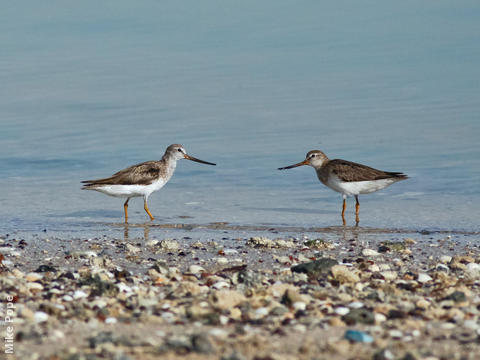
(357, 236)
(146, 231)
(225, 226)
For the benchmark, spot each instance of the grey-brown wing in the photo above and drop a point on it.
(350, 171)
(143, 174)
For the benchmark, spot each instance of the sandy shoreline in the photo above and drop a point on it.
(238, 293)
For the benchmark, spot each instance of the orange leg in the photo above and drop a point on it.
(343, 211)
(357, 210)
(125, 208)
(145, 206)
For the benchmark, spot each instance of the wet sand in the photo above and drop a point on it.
(221, 291)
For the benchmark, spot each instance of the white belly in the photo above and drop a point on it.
(357, 187)
(127, 191)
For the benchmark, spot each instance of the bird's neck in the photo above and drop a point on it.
(322, 172)
(319, 165)
(170, 164)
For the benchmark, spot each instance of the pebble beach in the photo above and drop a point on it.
(335, 293)
(241, 261)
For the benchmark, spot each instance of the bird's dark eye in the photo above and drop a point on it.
(180, 150)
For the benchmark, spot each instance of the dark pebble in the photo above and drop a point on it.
(316, 267)
(46, 268)
(362, 316)
(457, 296)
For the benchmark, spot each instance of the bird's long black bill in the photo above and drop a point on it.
(198, 160)
(304, 162)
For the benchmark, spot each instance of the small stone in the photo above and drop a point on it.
(343, 275)
(196, 269)
(422, 304)
(424, 278)
(472, 271)
(223, 320)
(379, 318)
(383, 354)
(370, 252)
(221, 285)
(448, 326)
(169, 244)
(152, 242)
(299, 306)
(222, 261)
(395, 334)
(34, 286)
(456, 296)
(282, 259)
(342, 310)
(110, 320)
(218, 333)
(261, 312)
(356, 305)
(31, 277)
(358, 336)
(396, 314)
(318, 244)
(389, 275)
(279, 310)
(201, 344)
(229, 252)
(284, 243)
(235, 314)
(391, 246)
(263, 242)
(40, 317)
(471, 324)
(133, 249)
(445, 259)
(45, 268)
(79, 294)
(362, 316)
(373, 268)
(260, 241)
(316, 267)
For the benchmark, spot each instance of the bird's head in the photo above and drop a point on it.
(314, 158)
(178, 152)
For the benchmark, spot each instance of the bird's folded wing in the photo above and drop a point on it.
(349, 171)
(140, 174)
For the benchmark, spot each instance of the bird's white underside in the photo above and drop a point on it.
(357, 187)
(128, 191)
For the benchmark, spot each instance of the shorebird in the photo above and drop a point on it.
(348, 178)
(143, 179)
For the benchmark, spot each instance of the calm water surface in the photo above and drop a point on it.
(89, 88)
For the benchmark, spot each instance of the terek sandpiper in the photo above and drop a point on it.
(348, 178)
(142, 179)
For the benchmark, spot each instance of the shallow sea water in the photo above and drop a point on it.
(90, 88)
